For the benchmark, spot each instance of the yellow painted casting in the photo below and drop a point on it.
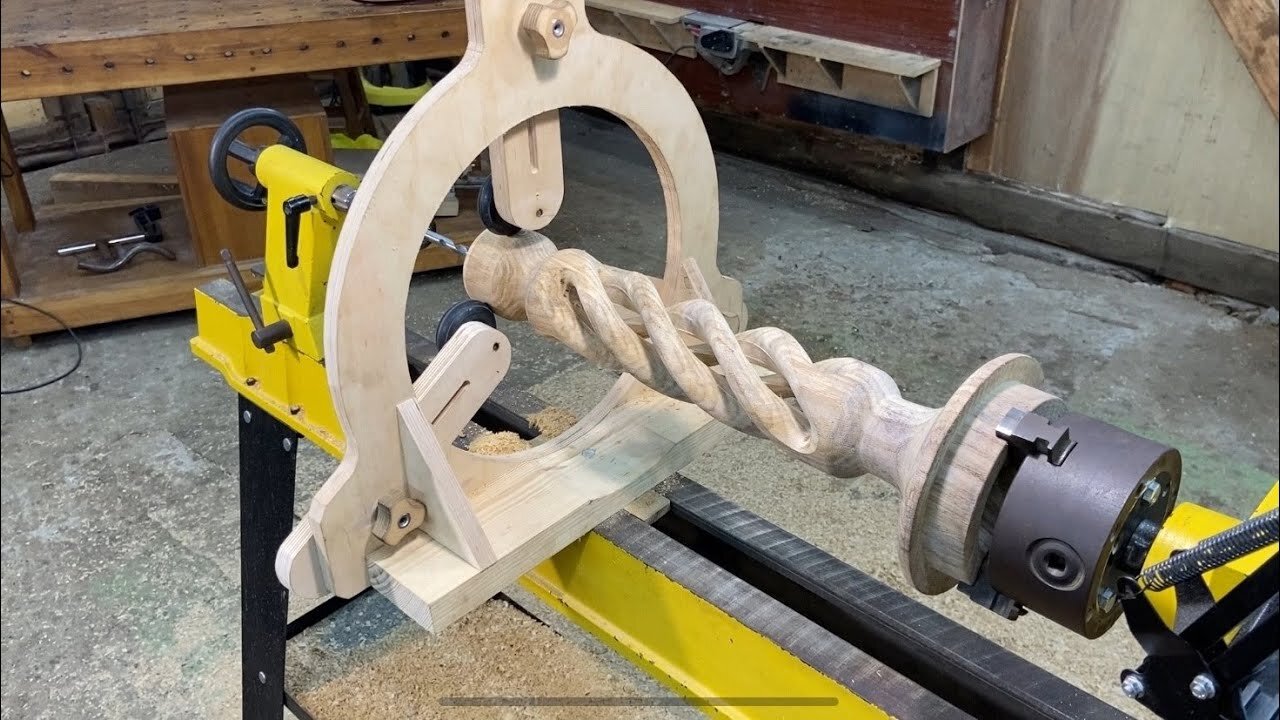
(688, 644)
(289, 385)
(1189, 524)
(297, 294)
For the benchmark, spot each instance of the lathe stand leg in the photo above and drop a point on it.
(268, 461)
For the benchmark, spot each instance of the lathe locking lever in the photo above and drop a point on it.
(264, 337)
(294, 208)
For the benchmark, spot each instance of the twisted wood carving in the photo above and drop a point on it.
(841, 415)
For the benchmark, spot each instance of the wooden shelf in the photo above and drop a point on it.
(151, 285)
(854, 71)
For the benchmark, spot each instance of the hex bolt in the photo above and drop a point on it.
(247, 416)
(1106, 599)
(1203, 687)
(1133, 685)
(1151, 492)
(287, 444)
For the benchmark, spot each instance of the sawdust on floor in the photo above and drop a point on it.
(493, 653)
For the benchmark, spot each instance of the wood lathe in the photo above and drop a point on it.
(1004, 492)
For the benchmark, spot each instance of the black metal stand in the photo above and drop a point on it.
(268, 470)
(268, 463)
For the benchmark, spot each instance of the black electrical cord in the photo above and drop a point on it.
(69, 331)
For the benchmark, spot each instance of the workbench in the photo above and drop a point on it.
(62, 47)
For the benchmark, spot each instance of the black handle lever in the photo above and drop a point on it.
(294, 208)
(264, 337)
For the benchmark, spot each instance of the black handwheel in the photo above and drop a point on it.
(487, 207)
(226, 144)
(459, 314)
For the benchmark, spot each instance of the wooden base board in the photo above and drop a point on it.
(1125, 236)
(603, 465)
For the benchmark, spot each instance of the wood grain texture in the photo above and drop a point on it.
(10, 285)
(129, 44)
(842, 416)
(1252, 25)
(528, 172)
(1158, 113)
(15, 189)
(633, 440)
(431, 146)
(76, 187)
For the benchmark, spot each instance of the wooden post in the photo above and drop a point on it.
(24, 219)
(1252, 27)
(11, 286)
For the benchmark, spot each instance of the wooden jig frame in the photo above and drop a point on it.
(490, 519)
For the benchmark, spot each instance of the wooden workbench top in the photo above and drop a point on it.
(61, 47)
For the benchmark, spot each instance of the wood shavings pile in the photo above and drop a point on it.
(550, 423)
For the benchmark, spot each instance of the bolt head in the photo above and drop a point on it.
(557, 28)
(247, 416)
(287, 444)
(1133, 686)
(403, 522)
(262, 677)
(1107, 599)
(1151, 492)
(1203, 687)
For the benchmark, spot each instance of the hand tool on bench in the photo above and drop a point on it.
(109, 258)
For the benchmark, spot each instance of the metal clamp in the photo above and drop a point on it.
(1034, 435)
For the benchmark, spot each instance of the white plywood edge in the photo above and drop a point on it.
(644, 9)
(893, 62)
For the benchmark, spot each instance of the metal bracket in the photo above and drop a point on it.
(1034, 435)
(717, 40)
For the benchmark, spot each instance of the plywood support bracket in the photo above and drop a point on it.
(647, 24)
(888, 78)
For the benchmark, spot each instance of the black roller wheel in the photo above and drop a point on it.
(487, 207)
(459, 314)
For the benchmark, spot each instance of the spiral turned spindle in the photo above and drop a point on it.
(841, 415)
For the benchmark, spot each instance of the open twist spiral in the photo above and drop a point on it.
(760, 381)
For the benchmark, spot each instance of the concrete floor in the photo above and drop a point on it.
(119, 535)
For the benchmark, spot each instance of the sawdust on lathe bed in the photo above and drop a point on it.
(549, 422)
(502, 443)
(552, 421)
